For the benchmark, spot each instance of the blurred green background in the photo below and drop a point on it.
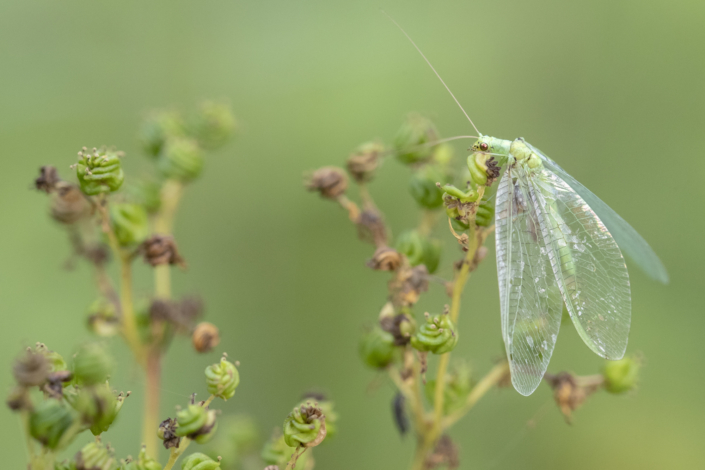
(612, 90)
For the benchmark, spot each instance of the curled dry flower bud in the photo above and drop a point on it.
(385, 259)
(167, 433)
(400, 326)
(329, 181)
(205, 337)
(370, 227)
(438, 335)
(444, 454)
(48, 177)
(18, 399)
(363, 162)
(305, 426)
(408, 285)
(570, 391)
(161, 249)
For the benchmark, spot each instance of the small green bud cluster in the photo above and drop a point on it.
(197, 423)
(199, 461)
(420, 249)
(99, 171)
(130, 223)
(412, 140)
(621, 376)
(143, 462)
(305, 426)
(277, 452)
(179, 143)
(438, 335)
(222, 379)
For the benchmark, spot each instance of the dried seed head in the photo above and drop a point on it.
(371, 227)
(32, 369)
(68, 204)
(363, 162)
(167, 433)
(330, 182)
(48, 177)
(570, 392)
(161, 249)
(493, 170)
(408, 285)
(205, 337)
(385, 259)
(444, 454)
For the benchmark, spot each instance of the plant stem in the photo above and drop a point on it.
(151, 403)
(493, 377)
(129, 324)
(176, 453)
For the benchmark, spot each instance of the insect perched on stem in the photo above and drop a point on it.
(557, 244)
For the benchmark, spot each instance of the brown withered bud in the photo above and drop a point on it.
(161, 249)
(408, 285)
(385, 259)
(55, 381)
(399, 326)
(329, 181)
(31, 369)
(182, 314)
(205, 337)
(167, 433)
(493, 170)
(363, 162)
(371, 227)
(48, 177)
(68, 203)
(18, 399)
(445, 454)
(570, 392)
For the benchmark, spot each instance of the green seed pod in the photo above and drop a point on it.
(213, 125)
(65, 465)
(145, 462)
(419, 249)
(191, 420)
(182, 159)
(56, 362)
(484, 217)
(276, 452)
(328, 409)
(622, 375)
(98, 407)
(157, 128)
(199, 461)
(222, 379)
(95, 456)
(147, 193)
(130, 223)
(305, 426)
(102, 318)
(377, 348)
(438, 335)
(92, 364)
(458, 387)
(411, 137)
(100, 171)
(424, 189)
(51, 423)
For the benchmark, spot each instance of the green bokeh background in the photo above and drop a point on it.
(612, 90)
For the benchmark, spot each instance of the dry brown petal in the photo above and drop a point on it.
(68, 203)
(362, 163)
(31, 369)
(48, 177)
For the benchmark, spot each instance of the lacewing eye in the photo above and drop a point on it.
(484, 146)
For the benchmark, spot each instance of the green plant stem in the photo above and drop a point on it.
(493, 377)
(24, 418)
(176, 453)
(151, 404)
(129, 323)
